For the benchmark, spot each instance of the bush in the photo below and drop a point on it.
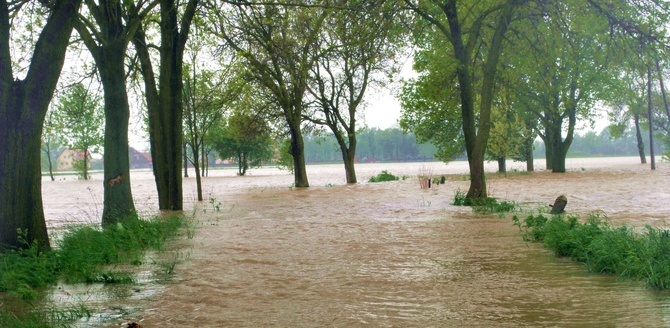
(384, 176)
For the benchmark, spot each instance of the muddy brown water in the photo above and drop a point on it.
(377, 255)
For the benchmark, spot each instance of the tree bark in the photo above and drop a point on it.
(118, 202)
(502, 165)
(165, 103)
(476, 131)
(650, 118)
(185, 160)
(23, 108)
(196, 167)
(348, 154)
(298, 153)
(86, 177)
(640, 140)
(530, 161)
(47, 152)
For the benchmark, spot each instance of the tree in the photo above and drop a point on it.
(82, 119)
(23, 107)
(203, 98)
(106, 32)
(507, 133)
(165, 99)
(563, 90)
(360, 42)
(245, 138)
(475, 35)
(52, 140)
(430, 105)
(280, 45)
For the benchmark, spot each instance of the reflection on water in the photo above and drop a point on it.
(387, 254)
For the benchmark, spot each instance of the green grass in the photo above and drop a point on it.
(85, 254)
(604, 248)
(459, 198)
(383, 177)
(484, 205)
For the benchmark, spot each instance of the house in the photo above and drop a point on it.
(139, 160)
(65, 160)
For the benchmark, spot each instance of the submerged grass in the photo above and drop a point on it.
(604, 248)
(85, 254)
(487, 205)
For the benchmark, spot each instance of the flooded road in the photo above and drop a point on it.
(386, 254)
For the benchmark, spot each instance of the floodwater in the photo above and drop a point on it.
(380, 255)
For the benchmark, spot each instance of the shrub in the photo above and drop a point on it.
(384, 176)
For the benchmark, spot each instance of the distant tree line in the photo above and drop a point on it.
(593, 144)
(374, 145)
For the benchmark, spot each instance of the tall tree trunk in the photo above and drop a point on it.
(476, 131)
(298, 153)
(51, 166)
(196, 167)
(118, 199)
(185, 160)
(502, 165)
(650, 118)
(640, 140)
(348, 154)
(86, 164)
(660, 80)
(530, 164)
(165, 102)
(548, 153)
(560, 153)
(203, 161)
(23, 108)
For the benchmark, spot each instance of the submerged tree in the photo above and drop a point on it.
(280, 45)
(360, 43)
(475, 34)
(52, 140)
(23, 107)
(203, 99)
(107, 31)
(243, 137)
(164, 98)
(81, 121)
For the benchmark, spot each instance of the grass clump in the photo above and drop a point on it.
(486, 205)
(460, 198)
(85, 254)
(604, 248)
(384, 176)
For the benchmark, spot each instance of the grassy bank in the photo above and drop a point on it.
(84, 255)
(604, 248)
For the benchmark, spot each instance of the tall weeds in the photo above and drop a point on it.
(604, 248)
(85, 254)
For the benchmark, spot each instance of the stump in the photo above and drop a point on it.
(559, 205)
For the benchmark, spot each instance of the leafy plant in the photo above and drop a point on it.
(459, 198)
(383, 177)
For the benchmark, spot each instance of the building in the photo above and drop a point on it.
(65, 160)
(139, 160)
